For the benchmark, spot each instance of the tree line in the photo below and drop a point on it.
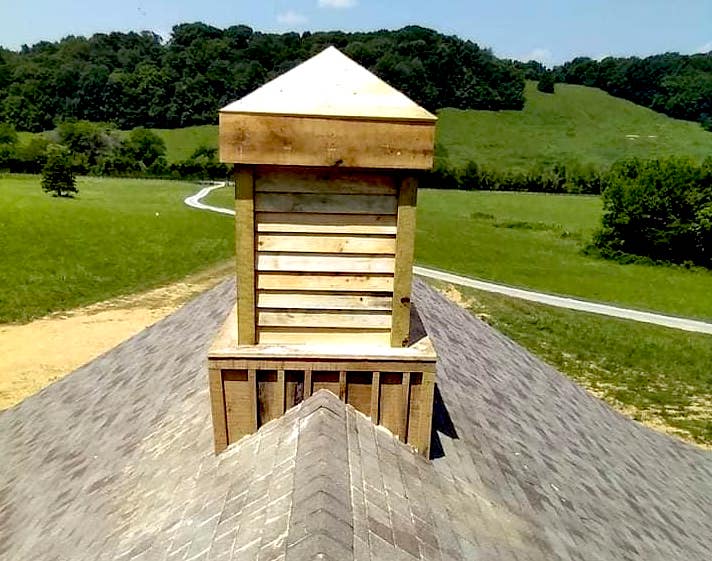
(97, 149)
(137, 79)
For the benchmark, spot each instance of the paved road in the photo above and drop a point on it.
(673, 322)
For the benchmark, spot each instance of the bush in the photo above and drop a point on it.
(546, 83)
(659, 209)
(57, 174)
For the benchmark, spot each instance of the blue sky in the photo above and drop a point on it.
(551, 31)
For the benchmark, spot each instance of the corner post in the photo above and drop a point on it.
(405, 242)
(245, 256)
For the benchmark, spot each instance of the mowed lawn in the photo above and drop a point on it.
(117, 237)
(576, 125)
(536, 241)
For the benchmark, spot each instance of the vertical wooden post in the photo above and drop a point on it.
(405, 404)
(342, 385)
(307, 383)
(245, 256)
(217, 408)
(252, 381)
(375, 397)
(405, 242)
(427, 396)
(281, 390)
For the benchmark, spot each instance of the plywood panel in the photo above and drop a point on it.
(415, 412)
(324, 301)
(239, 404)
(309, 282)
(268, 397)
(323, 181)
(325, 380)
(391, 402)
(284, 318)
(328, 204)
(322, 243)
(324, 263)
(326, 223)
(358, 391)
(315, 336)
(314, 141)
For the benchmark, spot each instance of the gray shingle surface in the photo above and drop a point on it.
(115, 462)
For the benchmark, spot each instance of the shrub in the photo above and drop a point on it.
(660, 209)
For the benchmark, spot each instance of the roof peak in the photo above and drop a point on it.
(330, 84)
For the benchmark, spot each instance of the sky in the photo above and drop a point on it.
(551, 31)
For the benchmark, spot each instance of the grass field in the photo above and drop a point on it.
(116, 237)
(575, 125)
(654, 374)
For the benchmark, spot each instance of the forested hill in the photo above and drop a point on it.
(135, 79)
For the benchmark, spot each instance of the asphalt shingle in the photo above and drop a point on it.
(115, 462)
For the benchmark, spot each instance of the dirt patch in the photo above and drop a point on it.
(36, 354)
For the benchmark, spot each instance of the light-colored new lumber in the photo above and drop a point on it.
(374, 245)
(287, 318)
(245, 255)
(324, 301)
(295, 222)
(325, 204)
(307, 282)
(403, 275)
(324, 263)
(325, 142)
(274, 179)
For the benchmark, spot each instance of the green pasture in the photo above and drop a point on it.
(576, 125)
(117, 237)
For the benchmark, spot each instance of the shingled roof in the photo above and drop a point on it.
(115, 462)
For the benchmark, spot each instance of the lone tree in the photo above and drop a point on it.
(57, 175)
(546, 83)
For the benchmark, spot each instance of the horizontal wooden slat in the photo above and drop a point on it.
(270, 180)
(326, 244)
(324, 263)
(323, 319)
(330, 204)
(326, 223)
(324, 301)
(297, 282)
(296, 336)
(312, 141)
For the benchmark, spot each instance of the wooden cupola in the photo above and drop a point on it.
(326, 196)
(326, 162)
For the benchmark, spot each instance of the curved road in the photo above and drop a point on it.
(673, 322)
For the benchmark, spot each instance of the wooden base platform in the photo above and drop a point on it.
(251, 385)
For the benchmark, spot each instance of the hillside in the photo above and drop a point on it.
(576, 124)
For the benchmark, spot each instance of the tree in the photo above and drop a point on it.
(546, 83)
(57, 174)
(144, 147)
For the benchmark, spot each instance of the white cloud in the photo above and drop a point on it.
(706, 48)
(539, 54)
(290, 17)
(338, 4)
